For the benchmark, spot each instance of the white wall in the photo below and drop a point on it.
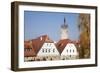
(5, 28)
(51, 47)
(69, 47)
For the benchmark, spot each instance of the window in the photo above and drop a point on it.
(70, 50)
(28, 49)
(47, 44)
(46, 50)
(67, 50)
(49, 50)
(73, 50)
(42, 50)
(53, 50)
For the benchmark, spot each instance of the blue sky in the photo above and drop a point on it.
(49, 23)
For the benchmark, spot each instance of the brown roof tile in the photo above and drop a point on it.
(36, 44)
(28, 49)
(62, 44)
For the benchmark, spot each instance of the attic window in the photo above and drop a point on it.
(49, 50)
(70, 50)
(46, 50)
(67, 50)
(28, 49)
(42, 50)
(73, 50)
(53, 50)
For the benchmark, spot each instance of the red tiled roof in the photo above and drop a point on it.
(36, 44)
(28, 49)
(30, 53)
(27, 44)
(62, 44)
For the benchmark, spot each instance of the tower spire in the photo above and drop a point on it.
(64, 24)
(64, 30)
(64, 21)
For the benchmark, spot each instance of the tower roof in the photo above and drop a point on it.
(64, 25)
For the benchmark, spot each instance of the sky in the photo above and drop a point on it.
(49, 23)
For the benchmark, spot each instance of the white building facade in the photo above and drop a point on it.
(48, 51)
(64, 50)
(69, 52)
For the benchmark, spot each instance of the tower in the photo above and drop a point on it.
(64, 30)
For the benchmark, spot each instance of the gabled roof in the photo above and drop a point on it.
(62, 44)
(37, 43)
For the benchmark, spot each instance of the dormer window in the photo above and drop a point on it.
(28, 49)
